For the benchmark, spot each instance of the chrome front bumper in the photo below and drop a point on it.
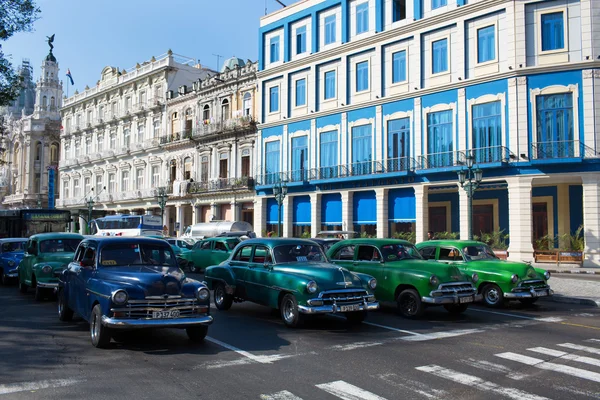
(46, 285)
(531, 293)
(116, 323)
(471, 298)
(12, 274)
(335, 308)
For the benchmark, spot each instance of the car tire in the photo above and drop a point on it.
(493, 296)
(99, 334)
(409, 304)
(529, 301)
(289, 311)
(222, 299)
(192, 267)
(197, 333)
(355, 318)
(456, 309)
(65, 314)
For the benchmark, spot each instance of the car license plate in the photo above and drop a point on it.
(165, 314)
(466, 299)
(354, 307)
(540, 293)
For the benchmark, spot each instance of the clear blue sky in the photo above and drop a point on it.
(93, 34)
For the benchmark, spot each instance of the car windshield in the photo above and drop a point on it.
(299, 253)
(12, 247)
(232, 243)
(59, 245)
(120, 254)
(478, 252)
(394, 252)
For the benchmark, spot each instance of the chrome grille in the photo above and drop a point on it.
(455, 288)
(341, 297)
(525, 286)
(144, 308)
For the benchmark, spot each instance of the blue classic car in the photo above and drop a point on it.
(11, 254)
(131, 283)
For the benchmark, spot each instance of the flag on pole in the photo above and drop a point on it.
(69, 76)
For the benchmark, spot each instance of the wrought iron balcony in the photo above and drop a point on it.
(442, 160)
(176, 137)
(221, 184)
(493, 154)
(561, 150)
(232, 124)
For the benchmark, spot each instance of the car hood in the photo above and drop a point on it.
(153, 280)
(523, 270)
(444, 272)
(14, 256)
(64, 258)
(327, 276)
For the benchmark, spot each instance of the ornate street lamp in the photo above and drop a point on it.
(161, 198)
(280, 191)
(90, 205)
(470, 180)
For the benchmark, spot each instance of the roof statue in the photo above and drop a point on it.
(50, 56)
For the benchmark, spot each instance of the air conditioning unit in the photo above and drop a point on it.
(169, 94)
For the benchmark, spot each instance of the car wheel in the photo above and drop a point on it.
(493, 296)
(355, 318)
(529, 302)
(197, 333)
(223, 301)
(289, 311)
(409, 304)
(193, 268)
(64, 312)
(456, 308)
(99, 334)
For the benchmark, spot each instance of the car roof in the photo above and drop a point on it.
(104, 240)
(375, 241)
(12, 240)
(277, 241)
(450, 242)
(56, 235)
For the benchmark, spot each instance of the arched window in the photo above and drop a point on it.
(247, 104)
(54, 153)
(224, 110)
(52, 103)
(206, 114)
(44, 102)
(38, 151)
(187, 168)
(188, 121)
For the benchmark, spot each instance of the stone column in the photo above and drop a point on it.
(520, 222)
(214, 210)
(287, 216)
(421, 212)
(382, 212)
(260, 216)
(167, 219)
(564, 224)
(179, 218)
(591, 220)
(315, 213)
(195, 213)
(82, 224)
(347, 211)
(463, 213)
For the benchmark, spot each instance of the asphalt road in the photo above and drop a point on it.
(547, 351)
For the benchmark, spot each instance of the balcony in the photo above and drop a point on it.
(446, 159)
(558, 150)
(175, 137)
(493, 154)
(221, 184)
(233, 124)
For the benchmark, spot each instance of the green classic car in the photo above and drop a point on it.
(46, 256)
(207, 252)
(293, 276)
(404, 277)
(499, 280)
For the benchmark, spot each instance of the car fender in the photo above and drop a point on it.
(364, 278)
(37, 270)
(220, 273)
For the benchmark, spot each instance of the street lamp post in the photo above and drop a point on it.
(161, 198)
(90, 205)
(470, 180)
(280, 191)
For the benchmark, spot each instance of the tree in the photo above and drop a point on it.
(15, 16)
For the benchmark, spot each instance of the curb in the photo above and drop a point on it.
(572, 271)
(575, 300)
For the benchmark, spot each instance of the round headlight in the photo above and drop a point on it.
(546, 275)
(11, 263)
(46, 269)
(203, 294)
(120, 297)
(373, 283)
(514, 278)
(434, 280)
(311, 287)
(475, 277)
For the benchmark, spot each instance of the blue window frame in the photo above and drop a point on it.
(555, 126)
(361, 150)
(274, 49)
(301, 40)
(439, 56)
(399, 66)
(299, 159)
(486, 44)
(553, 31)
(329, 85)
(301, 92)
(438, 3)
(439, 139)
(328, 159)
(272, 162)
(362, 18)
(398, 145)
(398, 10)
(487, 132)
(274, 99)
(330, 29)
(362, 76)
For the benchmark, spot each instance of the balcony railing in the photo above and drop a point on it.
(223, 126)
(561, 149)
(221, 184)
(175, 137)
(493, 154)
(442, 160)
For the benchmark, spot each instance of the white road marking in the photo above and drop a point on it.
(587, 349)
(549, 366)
(440, 335)
(584, 315)
(478, 383)
(545, 319)
(283, 395)
(354, 346)
(391, 328)
(577, 391)
(593, 340)
(28, 386)
(346, 391)
(258, 359)
(566, 356)
(489, 366)
(415, 386)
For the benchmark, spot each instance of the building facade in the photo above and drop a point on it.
(369, 109)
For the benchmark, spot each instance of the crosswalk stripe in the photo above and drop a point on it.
(548, 366)
(587, 349)
(32, 386)
(566, 356)
(440, 335)
(478, 383)
(283, 395)
(346, 391)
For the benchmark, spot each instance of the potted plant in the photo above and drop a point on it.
(572, 246)
(498, 241)
(544, 249)
(409, 236)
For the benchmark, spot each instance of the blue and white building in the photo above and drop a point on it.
(369, 108)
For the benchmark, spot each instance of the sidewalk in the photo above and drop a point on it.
(566, 269)
(575, 291)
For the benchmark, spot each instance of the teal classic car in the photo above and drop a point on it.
(293, 276)
(46, 256)
(499, 280)
(404, 277)
(207, 252)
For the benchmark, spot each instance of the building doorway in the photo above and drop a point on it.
(437, 219)
(540, 221)
(483, 219)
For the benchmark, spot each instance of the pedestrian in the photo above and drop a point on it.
(431, 236)
(270, 234)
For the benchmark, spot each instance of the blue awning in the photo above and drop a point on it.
(402, 206)
(331, 209)
(365, 208)
(302, 210)
(273, 211)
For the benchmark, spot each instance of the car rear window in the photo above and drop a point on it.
(126, 254)
(11, 247)
(59, 245)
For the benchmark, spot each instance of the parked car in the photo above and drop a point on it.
(404, 277)
(46, 256)
(11, 254)
(207, 252)
(499, 280)
(293, 276)
(326, 243)
(185, 243)
(131, 283)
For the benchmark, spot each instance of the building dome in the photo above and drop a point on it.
(232, 63)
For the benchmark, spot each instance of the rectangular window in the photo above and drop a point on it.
(438, 3)
(141, 134)
(361, 150)
(486, 44)
(155, 176)
(274, 49)
(439, 139)
(300, 92)
(555, 126)
(100, 143)
(111, 183)
(301, 40)
(126, 137)
(330, 29)
(439, 56)
(399, 66)
(125, 181)
(139, 178)
(329, 155)
(76, 188)
(204, 165)
(88, 147)
(113, 141)
(399, 10)
(156, 127)
(274, 99)
(398, 144)
(87, 185)
(299, 158)
(329, 85)
(272, 162)
(487, 132)
(362, 76)
(99, 184)
(553, 31)
(362, 18)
